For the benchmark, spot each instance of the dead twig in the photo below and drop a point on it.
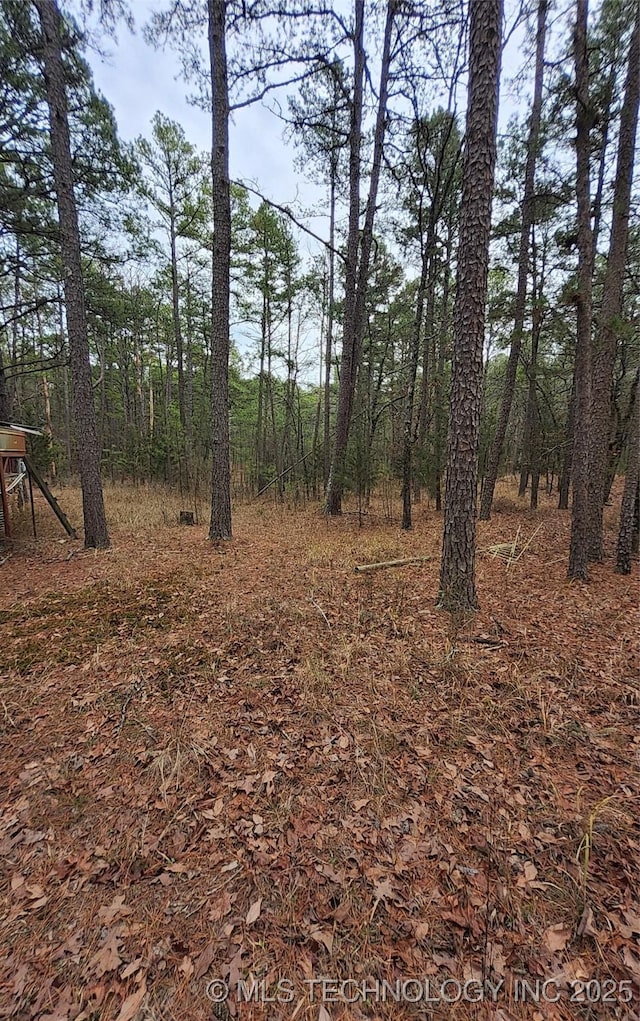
(361, 568)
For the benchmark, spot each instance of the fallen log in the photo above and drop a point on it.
(361, 568)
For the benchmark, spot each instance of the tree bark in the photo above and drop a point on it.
(175, 308)
(220, 524)
(604, 352)
(408, 438)
(457, 572)
(348, 370)
(357, 271)
(5, 399)
(629, 498)
(489, 483)
(95, 524)
(328, 352)
(578, 554)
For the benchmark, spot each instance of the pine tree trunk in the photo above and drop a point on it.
(95, 524)
(629, 498)
(220, 524)
(439, 411)
(328, 351)
(177, 324)
(490, 479)
(5, 400)
(357, 271)
(578, 554)
(604, 352)
(457, 572)
(408, 439)
(348, 368)
(567, 460)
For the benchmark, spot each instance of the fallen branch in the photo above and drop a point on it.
(361, 568)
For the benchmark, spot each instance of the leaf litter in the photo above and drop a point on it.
(253, 763)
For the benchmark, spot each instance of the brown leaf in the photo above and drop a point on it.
(323, 937)
(557, 936)
(108, 956)
(117, 909)
(131, 969)
(221, 907)
(586, 926)
(633, 964)
(204, 961)
(267, 779)
(186, 967)
(235, 969)
(632, 920)
(253, 913)
(382, 891)
(132, 1004)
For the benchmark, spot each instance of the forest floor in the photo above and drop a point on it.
(252, 764)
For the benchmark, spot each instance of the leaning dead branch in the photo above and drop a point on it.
(361, 568)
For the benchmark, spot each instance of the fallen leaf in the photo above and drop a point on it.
(381, 891)
(221, 907)
(132, 1004)
(117, 909)
(108, 956)
(131, 969)
(323, 937)
(253, 913)
(235, 969)
(632, 920)
(186, 967)
(204, 961)
(586, 926)
(557, 936)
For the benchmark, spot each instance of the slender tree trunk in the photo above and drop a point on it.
(578, 554)
(408, 438)
(629, 498)
(457, 572)
(5, 400)
(534, 411)
(439, 416)
(328, 352)
(220, 525)
(489, 483)
(95, 524)
(357, 272)
(260, 427)
(604, 351)
(177, 324)
(46, 390)
(567, 460)
(348, 370)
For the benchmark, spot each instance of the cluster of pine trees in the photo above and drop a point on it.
(471, 309)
